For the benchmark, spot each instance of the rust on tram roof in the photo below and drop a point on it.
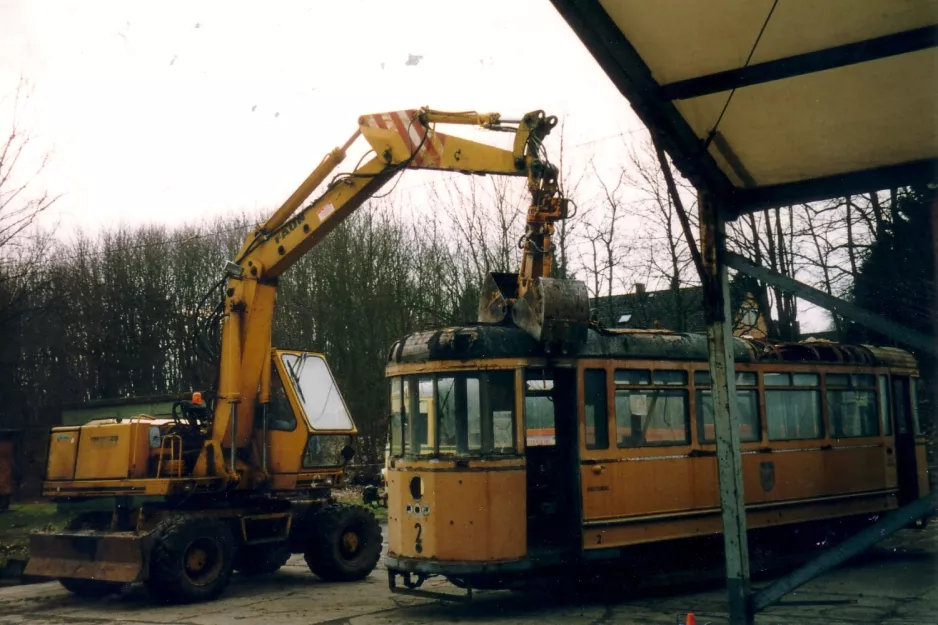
(481, 340)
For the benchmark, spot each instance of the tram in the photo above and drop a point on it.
(505, 460)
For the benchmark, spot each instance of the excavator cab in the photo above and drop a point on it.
(306, 429)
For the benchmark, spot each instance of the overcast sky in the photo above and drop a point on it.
(165, 111)
(176, 111)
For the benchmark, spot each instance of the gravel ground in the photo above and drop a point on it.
(895, 583)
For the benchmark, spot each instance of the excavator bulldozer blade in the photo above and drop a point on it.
(105, 556)
(556, 312)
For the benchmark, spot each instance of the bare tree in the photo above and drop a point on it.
(823, 244)
(21, 203)
(22, 248)
(486, 218)
(665, 253)
(605, 245)
(571, 182)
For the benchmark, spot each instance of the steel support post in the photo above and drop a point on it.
(853, 546)
(725, 410)
(932, 381)
(934, 252)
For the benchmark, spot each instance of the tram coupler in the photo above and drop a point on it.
(412, 588)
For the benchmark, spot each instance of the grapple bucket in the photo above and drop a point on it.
(556, 312)
(498, 291)
(106, 556)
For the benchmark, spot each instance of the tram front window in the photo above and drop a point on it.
(461, 414)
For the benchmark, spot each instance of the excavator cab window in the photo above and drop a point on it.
(325, 450)
(280, 415)
(307, 380)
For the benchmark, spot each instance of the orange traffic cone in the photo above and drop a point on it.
(691, 619)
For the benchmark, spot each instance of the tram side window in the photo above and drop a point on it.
(651, 416)
(884, 415)
(915, 400)
(539, 408)
(459, 414)
(397, 409)
(851, 405)
(476, 413)
(747, 402)
(501, 397)
(421, 433)
(597, 423)
(793, 413)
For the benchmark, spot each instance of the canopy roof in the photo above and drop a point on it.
(831, 97)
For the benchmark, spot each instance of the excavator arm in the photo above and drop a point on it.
(554, 311)
(400, 140)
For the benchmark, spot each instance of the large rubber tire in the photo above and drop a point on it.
(192, 559)
(261, 559)
(346, 543)
(89, 588)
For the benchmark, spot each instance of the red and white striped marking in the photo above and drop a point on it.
(413, 132)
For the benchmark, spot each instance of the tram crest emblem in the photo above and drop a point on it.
(767, 475)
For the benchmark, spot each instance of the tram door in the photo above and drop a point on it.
(550, 450)
(906, 469)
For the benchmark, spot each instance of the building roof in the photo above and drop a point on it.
(764, 103)
(680, 311)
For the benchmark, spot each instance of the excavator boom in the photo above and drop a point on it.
(185, 546)
(555, 312)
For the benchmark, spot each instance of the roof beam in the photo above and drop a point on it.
(913, 173)
(896, 331)
(632, 77)
(810, 62)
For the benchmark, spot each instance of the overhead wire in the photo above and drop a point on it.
(713, 131)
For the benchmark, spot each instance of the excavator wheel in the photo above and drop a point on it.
(192, 559)
(89, 588)
(261, 559)
(345, 545)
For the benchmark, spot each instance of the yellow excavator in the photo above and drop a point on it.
(242, 476)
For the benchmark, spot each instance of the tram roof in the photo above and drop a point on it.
(481, 341)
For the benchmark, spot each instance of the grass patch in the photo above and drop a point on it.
(17, 523)
(354, 496)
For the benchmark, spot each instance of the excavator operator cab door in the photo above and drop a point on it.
(308, 424)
